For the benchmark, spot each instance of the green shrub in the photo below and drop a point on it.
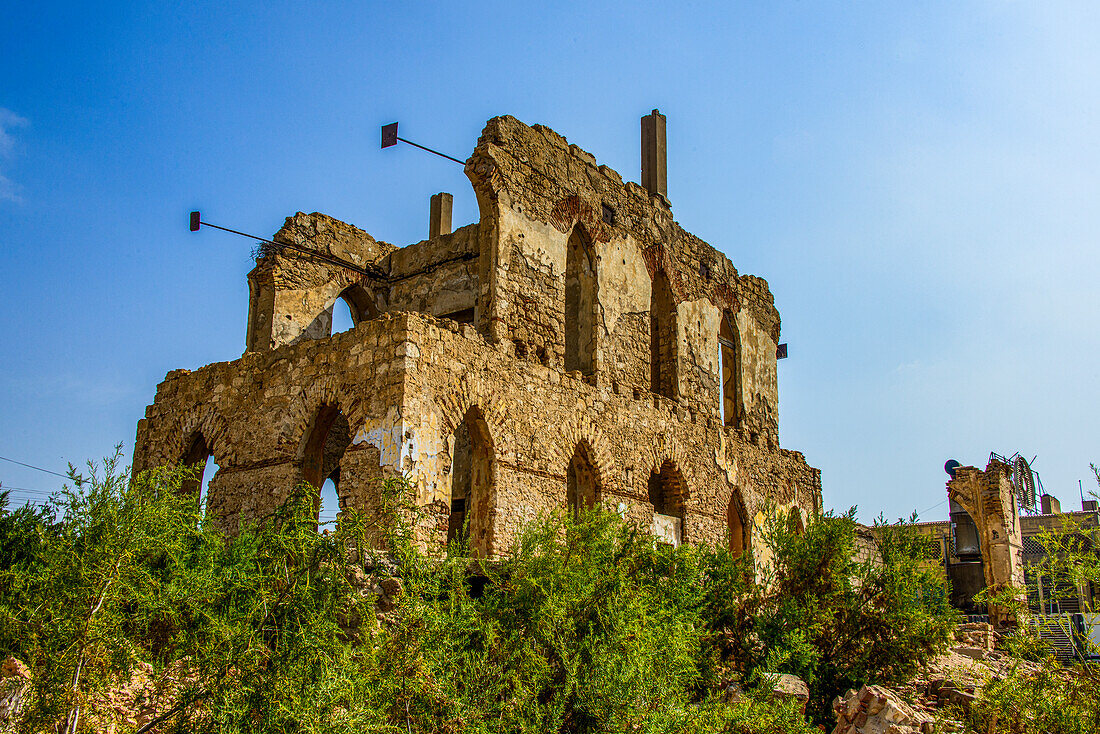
(817, 612)
(1053, 700)
(587, 626)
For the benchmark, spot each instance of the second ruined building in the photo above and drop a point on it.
(575, 346)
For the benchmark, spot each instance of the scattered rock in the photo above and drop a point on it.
(876, 710)
(391, 587)
(790, 686)
(14, 668)
(14, 680)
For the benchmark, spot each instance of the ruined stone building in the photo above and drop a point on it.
(575, 346)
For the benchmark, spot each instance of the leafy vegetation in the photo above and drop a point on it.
(587, 626)
(1051, 698)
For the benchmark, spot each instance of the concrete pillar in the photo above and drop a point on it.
(654, 156)
(1050, 505)
(439, 223)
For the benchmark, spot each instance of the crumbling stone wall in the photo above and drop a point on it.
(989, 497)
(456, 377)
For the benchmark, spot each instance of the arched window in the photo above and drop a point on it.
(662, 334)
(729, 348)
(471, 482)
(668, 495)
(324, 447)
(582, 491)
(737, 523)
(580, 303)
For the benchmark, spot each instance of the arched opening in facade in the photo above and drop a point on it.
(662, 337)
(668, 495)
(354, 304)
(342, 319)
(582, 487)
(737, 524)
(580, 303)
(330, 501)
(794, 522)
(472, 477)
(729, 348)
(324, 447)
(199, 454)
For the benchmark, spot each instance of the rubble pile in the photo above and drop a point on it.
(877, 710)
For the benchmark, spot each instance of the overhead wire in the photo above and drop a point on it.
(36, 468)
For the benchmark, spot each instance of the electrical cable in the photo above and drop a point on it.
(36, 468)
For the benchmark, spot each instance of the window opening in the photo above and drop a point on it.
(735, 521)
(662, 332)
(342, 319)
(729, 350)
(580, 303)
(330, 502)
(465, 316)
(324, 448)
(667, 494)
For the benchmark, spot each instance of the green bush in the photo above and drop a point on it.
(587, 626)
(816, 611)
(1053, 700)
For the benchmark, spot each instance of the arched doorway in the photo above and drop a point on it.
(729, 350)
(472, 475)
(580, 303)
(199, 455)
(326, 441)
(668, 495)
(662, 336)
(582, 490)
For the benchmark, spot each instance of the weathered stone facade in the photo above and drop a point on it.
(574, 346)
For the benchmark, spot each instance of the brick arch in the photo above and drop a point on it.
(724, 299)
(663, 450)
(573, 210)
(676, 476)
(657, 259)
(597, 444)
(456, 404)
(324, 391)
(205, 420)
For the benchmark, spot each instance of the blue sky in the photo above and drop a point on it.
(918, 182)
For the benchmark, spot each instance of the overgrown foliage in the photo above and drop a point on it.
(1056, 699)
(1053, 700)
(821, 613)
(587, 626)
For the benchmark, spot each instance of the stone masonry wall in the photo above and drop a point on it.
(405, 382)
(411, 391)
(533, 189)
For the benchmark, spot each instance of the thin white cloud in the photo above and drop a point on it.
(9, 190)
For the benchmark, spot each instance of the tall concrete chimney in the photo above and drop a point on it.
(654, 156)
(439, 222)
